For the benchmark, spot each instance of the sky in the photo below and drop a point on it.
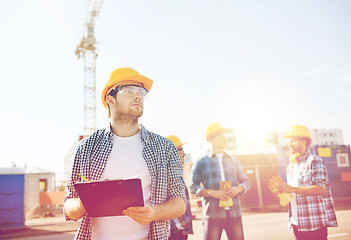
(250, 65)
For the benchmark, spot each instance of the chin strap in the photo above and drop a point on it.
(293, 157)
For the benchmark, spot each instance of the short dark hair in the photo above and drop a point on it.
(108, 106)
(113, 92)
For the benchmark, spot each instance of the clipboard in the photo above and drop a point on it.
(110, 197)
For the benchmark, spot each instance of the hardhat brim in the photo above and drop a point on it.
(221, 131)
(180, 145)
(289, 136)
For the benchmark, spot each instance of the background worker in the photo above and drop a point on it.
(312, 209)
(123, 150)
(209, 171)
(182, 226)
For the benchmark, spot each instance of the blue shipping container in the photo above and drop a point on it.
(11, 198)
(337, 160)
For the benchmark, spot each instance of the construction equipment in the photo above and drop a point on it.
(87, 50)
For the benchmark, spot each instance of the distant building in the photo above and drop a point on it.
(327, 137)
(37, 180)
(271, 139)
(231, 139)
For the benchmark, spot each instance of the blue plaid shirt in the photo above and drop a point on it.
(314, 211)
(184, 222)
(207, 171)
(161, 157)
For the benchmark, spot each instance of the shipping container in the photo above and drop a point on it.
(11, 197)
(337, 161)
(260, 168)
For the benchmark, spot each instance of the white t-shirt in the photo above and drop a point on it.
(294, 182)
(220, 160)
(125, 161)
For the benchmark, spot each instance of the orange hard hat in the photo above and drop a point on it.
(298, 131)
(175, 140)
(215, 129)
(124, 76)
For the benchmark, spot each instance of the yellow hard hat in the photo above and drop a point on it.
(215, 129)
(298, 131)
(124, 76)
(175, 140)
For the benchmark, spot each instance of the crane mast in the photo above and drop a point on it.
(87, 50)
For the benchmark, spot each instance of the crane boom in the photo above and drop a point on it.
(87, 50)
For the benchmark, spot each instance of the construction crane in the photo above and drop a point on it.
(86, 49)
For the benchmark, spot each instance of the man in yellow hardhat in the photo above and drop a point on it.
(179, 145)
(223, 180)
(311, 210)
(181, 227)
(124, 150)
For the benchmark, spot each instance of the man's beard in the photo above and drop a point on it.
(130, 114)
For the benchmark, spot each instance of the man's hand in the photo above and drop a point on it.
(80, 205)
(142, 215)
(233, 191)
(173, 208)
(219, 194)
(74, 208)
(283, 187)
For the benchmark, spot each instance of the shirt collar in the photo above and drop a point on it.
(144, 132)
(304, 156)
(210, 154)
(108, 131)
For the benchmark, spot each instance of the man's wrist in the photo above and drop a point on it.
(205, 193)
(154, 212)
(242, 189)
(80, 205)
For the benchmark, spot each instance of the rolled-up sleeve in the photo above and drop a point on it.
(176, 186)
(319, 174)
(242, 178)
(74, 177)
(196, 179)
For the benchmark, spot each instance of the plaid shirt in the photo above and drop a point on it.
(163, 162)
(315, 211)
(207, 171)
(184, 221)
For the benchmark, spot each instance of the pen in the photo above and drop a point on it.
(83, 177)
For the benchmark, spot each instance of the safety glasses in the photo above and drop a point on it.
(129, 91)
